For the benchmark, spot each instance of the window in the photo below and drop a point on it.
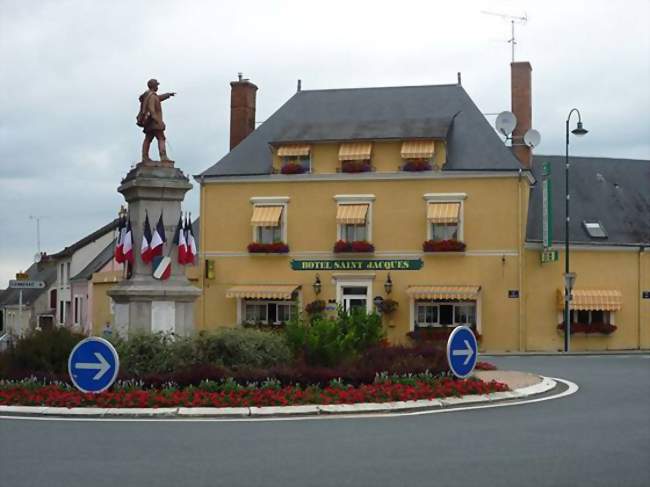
(302, 161)
(268, 235)
(67, 273)
(445, 216)
(61, 312)
(589, 317)
(269, 220)
(61, 274)
(354, 233)
(53, 299)
(444, 231)
(354, 217)
(267, 312)
(77, 309)
(595, 229)
(440, 313)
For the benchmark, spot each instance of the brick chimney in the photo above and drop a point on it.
(522, 107)
(242, 110)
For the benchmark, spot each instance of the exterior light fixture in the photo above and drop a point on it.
(317, 285)
(569, 277)
(388, 285)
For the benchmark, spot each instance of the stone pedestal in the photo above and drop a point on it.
(142, 303)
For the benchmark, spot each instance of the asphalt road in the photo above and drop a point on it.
(599, 436)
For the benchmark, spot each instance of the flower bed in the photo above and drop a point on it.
(292, 168)
(485, 366)
(443, 246)
(417, 165)
(435, 333)
(270, 248)
(360, 246)
(593, 328)
(230, 395)
(356, 166)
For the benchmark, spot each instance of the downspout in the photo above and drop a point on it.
(202, 259)
(520, 252)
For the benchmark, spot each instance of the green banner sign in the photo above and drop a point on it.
(357, 265)
(547, 207)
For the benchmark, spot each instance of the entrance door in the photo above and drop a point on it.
(354, 297)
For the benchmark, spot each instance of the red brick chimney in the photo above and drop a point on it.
(522, 107)
(242, 110)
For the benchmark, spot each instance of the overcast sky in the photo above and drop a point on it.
(72, 72)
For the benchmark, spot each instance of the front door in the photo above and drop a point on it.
(355, 297)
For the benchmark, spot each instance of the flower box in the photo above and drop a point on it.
(356, 166)
(270, 248)
(292, 168)
(417, 165)
(443, 246)
(590, 329)
(360, 246)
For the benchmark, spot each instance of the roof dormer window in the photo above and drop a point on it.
(595, 229)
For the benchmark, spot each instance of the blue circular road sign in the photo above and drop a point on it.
(462, 351)
(93, 365)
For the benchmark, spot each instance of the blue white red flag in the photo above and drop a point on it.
(162, 267)
(159, 238)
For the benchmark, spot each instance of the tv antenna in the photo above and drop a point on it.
(38, 219)
(513, 20)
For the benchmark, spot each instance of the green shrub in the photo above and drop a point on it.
(147, 353)
(44, 351)
(330, 341)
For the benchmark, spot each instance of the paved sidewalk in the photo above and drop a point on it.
(514, 379)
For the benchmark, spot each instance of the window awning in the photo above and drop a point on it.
(351, 214)
(418, 149)
(294, 150)
(357, 151)
(460, 293)
(262, 291)
(443, 212)
(266, 216)
(594, 299)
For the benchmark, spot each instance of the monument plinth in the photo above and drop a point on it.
(143, 303)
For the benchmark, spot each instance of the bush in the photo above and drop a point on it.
(42, 351)
(327, 341)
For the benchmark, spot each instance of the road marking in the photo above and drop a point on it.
(572, 388)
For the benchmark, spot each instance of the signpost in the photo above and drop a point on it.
(93, 365)
(21, 283)
(462, 351)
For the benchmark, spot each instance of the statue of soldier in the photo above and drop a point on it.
(150, 118)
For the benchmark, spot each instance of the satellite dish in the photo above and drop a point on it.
(532, 138)
(506, 123)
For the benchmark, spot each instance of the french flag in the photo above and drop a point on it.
(162, 267)
(179, 240)
(145, 248)
(158, 239)
(119, 243)
(127, 243)
(191, 242)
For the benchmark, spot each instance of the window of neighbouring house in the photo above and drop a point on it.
(53, 299)
(439, 313)
(77, 309)
(61, 312)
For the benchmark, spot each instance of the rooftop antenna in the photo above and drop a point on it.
(37, 256)
(513, 20)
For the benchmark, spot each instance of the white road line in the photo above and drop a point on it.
(572, 388)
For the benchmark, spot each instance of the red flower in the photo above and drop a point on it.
(360, 246)
(356, 166)
(417, 165)
(292, 168)
(443, 246)
(270, 248)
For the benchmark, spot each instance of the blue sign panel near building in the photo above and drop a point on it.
(93, 365)
(462, 351)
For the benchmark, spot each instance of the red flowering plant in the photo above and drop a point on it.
(484, 366)
(358, 246)
(292, 168)
(436, 333)
(443, 246)
(356, 166)
(417, 165)
(590, 328)
(268, 248)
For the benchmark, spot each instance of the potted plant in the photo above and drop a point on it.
(268, 248)
(355, 166)
(359, 246)
(443, 246)
(292, 168)
(417, 165)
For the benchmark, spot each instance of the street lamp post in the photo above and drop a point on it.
(569, 278)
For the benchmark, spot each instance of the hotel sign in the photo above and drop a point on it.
(357, 265)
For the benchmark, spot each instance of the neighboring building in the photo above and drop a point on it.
(70, 262)
(337, 167)
(38, 305)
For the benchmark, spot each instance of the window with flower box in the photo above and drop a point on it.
(354, 222)
(590, 316)
(417, 155)
(444, 230)
(429, 313)
(355, 157)
(269, 222)
(267, 312)
(295, 158)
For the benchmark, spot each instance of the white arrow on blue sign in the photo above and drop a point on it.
(462, 351)
(93, 365)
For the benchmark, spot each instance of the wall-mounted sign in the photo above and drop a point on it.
(513, 293)
(646, 294)
(548, 255)
(357, 265)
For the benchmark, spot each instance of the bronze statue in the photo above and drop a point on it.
(151, 120)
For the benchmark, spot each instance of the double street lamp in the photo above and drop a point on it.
(569, 277)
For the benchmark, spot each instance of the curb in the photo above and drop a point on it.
(560, 353)
(545, 385)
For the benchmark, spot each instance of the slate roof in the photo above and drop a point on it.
(46, 272)
(615, 192)
(406, 112)
(103, 258)
(68, 251)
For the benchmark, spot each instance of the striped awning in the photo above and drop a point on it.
(357, 151)
(262, 291)
(444, 292)
(266, 216)
(596, 299)
(443, 212)
(418, 149)
(294, 150)
(351, 214)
